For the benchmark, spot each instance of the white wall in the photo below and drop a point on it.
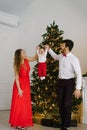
(8, 44)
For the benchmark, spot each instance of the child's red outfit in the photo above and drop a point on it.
(42, 69)
(42, 64)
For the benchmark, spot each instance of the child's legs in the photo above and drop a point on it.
(39, 70)
(42, 69)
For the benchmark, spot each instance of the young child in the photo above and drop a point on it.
(42, 53)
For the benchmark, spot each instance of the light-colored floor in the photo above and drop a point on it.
(4, 116)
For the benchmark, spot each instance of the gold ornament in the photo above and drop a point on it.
(52, 29)
(47, 37)
(52, 61)
(50, 77)
(38, 89)
(53, 105)
(50, 108)
(46, 88)
(39, 96)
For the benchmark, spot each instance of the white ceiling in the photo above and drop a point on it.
(17, 6)
(14, 6)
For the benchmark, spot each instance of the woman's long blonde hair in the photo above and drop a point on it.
(17, 60)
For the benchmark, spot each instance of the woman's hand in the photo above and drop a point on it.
(20, 92)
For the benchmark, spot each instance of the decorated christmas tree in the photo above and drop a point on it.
(44, 92)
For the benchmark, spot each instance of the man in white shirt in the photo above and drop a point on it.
(69, 70)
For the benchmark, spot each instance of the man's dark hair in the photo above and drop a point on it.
(68, 43)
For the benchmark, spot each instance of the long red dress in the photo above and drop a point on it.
(21, 109)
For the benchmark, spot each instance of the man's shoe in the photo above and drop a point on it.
(63, 129)
(23, 128)
(66, 128)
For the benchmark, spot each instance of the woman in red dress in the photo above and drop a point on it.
(21, 109)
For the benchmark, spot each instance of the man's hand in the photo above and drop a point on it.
(47, 47)
(77, 93)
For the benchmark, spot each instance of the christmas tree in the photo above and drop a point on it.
(44, 96)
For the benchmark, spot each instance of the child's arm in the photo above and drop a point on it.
(37, 50)
(37, 47)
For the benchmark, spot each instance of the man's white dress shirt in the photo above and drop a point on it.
(69, 67)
